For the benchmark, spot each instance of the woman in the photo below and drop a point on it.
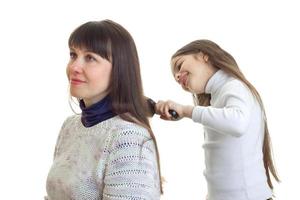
(108, 151)
(237, 148)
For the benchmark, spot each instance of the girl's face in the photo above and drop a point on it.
(89, 75)
(192, 72)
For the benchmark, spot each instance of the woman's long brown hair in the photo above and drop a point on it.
(114, 43)
(223, 60)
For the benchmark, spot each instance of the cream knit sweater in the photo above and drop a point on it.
(112, 160)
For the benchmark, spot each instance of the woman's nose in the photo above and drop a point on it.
(76, 66)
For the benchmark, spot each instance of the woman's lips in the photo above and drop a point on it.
(76, 81)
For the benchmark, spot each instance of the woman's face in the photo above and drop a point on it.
(192, 72)
(89, 75)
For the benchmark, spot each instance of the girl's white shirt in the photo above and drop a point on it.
(233, 139)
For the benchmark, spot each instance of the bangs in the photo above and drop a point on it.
(92, 37)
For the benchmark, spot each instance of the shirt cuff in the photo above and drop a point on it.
(197, 115)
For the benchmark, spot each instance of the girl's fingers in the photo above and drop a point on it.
(163, 108)
(166, 110)
(164, 118)
(160, 106)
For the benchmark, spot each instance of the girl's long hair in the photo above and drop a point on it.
(114, 43)
(223, 60)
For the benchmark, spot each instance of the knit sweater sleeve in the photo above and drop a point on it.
(60, 135)
(233, 116)
(131, 170)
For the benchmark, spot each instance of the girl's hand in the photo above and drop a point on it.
(162, 108)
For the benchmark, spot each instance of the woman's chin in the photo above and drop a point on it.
(76, 94)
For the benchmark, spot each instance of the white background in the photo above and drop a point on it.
(263, 36)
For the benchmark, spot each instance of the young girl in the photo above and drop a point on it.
(108, 151)
(237, 143)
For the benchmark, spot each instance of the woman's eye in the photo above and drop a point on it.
(72, 55)
(90, 58)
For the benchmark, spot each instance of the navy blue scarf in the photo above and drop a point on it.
(97, 112)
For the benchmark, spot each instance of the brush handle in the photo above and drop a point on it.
(152, 104)
(174, 114)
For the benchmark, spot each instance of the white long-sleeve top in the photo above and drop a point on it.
(234, 133)
(112, 160)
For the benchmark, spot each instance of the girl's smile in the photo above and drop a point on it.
(192, 72)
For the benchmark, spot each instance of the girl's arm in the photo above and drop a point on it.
(232, 117)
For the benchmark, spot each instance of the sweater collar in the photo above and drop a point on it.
(216, 81)
(97, 112)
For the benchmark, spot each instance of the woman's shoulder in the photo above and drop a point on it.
(129, 137)
(71, 120)
(124, 128)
